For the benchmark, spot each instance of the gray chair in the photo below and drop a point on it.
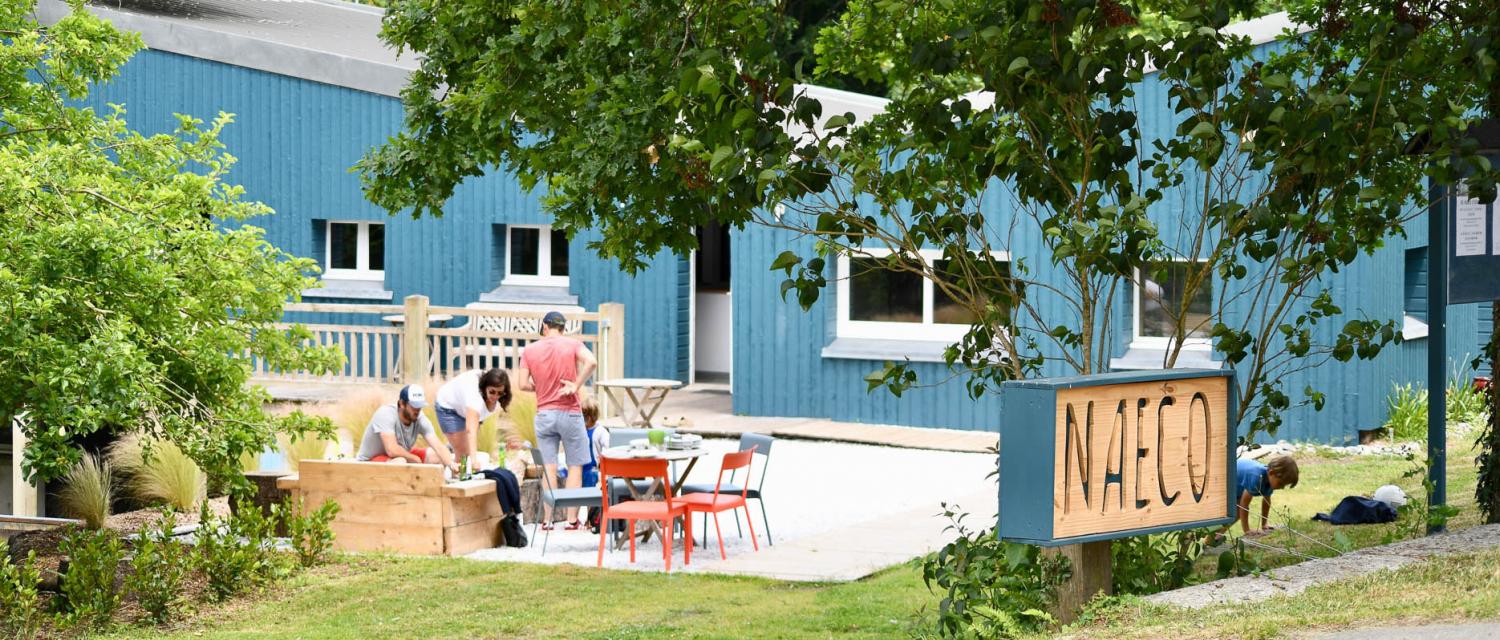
(762, 444)
(562, 498)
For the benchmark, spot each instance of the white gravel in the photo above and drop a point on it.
(811, 487)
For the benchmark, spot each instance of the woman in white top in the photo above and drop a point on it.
(466, 401)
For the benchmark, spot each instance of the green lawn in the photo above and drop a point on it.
(1326, 480)
(375, 597)
(1453, 588)
(366, 597)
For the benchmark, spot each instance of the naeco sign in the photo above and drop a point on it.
(1091, 458)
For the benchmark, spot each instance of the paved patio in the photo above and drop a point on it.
(840, 508)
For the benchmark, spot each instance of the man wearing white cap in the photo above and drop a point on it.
(392, 433)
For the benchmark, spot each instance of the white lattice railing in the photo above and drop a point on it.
(383, 343)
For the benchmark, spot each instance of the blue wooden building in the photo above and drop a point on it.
(312, 88)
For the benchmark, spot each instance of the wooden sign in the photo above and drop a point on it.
(1098, 457)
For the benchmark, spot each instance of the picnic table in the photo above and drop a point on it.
(652, 392)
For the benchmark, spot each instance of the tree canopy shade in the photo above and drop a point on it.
(127, 307)
(1282, 165)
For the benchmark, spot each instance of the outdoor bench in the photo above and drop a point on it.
(403, 508)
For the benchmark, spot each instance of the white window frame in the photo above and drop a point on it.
(1138, 341)
(543, 277)
(925, 331)
(362, 271)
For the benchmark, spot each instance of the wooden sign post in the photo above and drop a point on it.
(1085, 460)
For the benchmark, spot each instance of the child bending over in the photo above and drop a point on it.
(1256, 479)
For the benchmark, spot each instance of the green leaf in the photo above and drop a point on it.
(1020, 63)
(785, 262)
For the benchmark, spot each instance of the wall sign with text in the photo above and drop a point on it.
(1474, 247)
(1107, 456)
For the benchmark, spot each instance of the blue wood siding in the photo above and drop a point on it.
(785, 375)
(296, 140)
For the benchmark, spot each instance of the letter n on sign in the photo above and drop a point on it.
(1092, 458)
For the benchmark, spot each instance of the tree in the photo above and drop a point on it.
(1279, 167)
(128, 307)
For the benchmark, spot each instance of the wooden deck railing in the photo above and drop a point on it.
(398, 344)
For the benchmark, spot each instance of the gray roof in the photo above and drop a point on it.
(326, 41)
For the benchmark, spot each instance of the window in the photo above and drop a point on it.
(536, 255)
(1414, 305)
(875, 302)
(355, 251)
(1159, 295)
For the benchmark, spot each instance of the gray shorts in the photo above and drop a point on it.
(566, 427)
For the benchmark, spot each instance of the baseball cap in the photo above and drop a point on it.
(414, 395)
(553, 319)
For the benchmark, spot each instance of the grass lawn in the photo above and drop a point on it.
(1452, 588)
(365, 597)
(369, 597)
(1326, 480)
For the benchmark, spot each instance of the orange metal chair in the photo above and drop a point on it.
(664, 512)
(716, 502)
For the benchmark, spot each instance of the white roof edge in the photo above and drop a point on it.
(853, 101)
(1268, 28)
(281, 58)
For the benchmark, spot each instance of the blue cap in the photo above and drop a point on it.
(554, 319)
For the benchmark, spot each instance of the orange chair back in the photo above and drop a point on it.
(735, 461)
(634, 469)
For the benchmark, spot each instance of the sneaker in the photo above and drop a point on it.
(574, 525)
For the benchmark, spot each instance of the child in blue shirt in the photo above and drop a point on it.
(1256, 479)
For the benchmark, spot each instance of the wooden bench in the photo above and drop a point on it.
(404, 508)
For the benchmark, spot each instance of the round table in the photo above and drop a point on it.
(653, 391)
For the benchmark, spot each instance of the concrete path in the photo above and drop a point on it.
(707, 409)
(1429, 632)
(863, 548)
(1297, 578)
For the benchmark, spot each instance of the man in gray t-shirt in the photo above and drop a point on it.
(392, 433)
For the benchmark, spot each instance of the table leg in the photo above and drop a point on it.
(647, 415)
(619, 406)
(642, 419)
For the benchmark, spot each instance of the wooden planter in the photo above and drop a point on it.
(403, 508)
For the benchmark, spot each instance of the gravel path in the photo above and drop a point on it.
(1294, 579)
(812, 488)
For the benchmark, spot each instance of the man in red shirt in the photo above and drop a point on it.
(556, 367)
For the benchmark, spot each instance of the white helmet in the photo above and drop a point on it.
(1391, 495)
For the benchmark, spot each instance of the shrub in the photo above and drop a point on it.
(992, 589)
(158, 471)
(158, 569)
(308, 445)
(1149, 564)
(87, 491)
(20, 602)
(311, 534)
(236, 554)
(1464, 402)
(522, 414)
(88, 586)
(1407, 419)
